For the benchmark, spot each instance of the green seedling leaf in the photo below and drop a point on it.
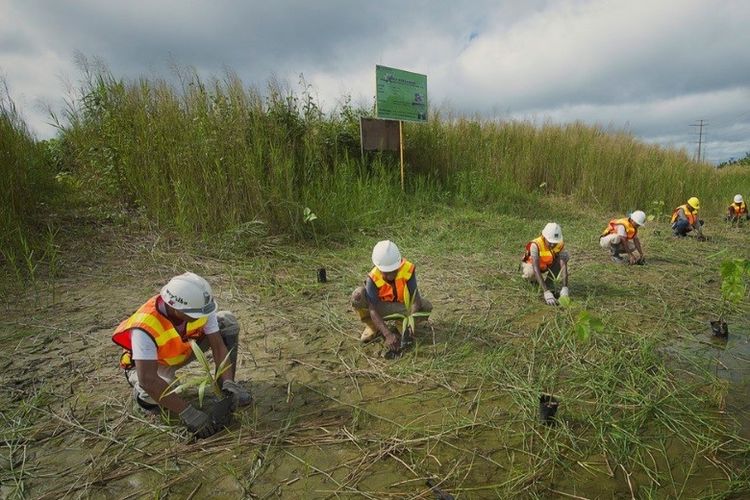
(564, 301)
(394, 316)
(583, 331)
(308, 215)
(202, 392)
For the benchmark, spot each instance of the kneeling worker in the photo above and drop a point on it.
(384, 291)
(546, 254)
(737, 210)
(685, 219)
(621, 236)
(156, 339)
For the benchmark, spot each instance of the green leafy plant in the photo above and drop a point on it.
(733, 272)
(308, 216)
(207, 379)
(408, 320)
(658, 212)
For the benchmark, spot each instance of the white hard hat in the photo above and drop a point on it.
(552, 233)
(386, 256)
(190, 294)
(639, 217)
(738, 198)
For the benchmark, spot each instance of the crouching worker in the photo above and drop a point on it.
(621, 236)
(685, 219)
(384, 291)
(737, 210)
(156, 339)
(546, 254)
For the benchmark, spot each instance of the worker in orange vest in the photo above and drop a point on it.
(685, 219)
(384, 291)
(547, 254)
(621, 236)
(156, 342)
(737, 210)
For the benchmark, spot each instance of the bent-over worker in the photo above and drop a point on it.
(156, 342)
(547, 254)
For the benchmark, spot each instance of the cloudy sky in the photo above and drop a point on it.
(653, 67)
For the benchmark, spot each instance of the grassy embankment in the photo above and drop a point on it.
(640, 415)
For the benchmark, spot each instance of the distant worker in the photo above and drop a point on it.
(156, 339)
(685, 219)
(384, 291)
(621, 236)
(546, 254)
(737, 210)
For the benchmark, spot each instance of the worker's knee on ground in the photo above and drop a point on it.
(228, 324)
(359, 298)
(527, 271)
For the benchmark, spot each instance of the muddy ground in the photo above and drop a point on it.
(331, 417)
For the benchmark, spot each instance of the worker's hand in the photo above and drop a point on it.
(391, 341)
(198, 422)
(632, 258)
(564, 292)
(549, 298)
(240, 395)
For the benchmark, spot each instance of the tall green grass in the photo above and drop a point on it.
(27, 185)
(205, 156)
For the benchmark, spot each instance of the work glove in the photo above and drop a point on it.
(198, 422)
(564, 292)
(392, 341)
(549, 298)
(240, 395)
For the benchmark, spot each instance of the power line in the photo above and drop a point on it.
(700, 124)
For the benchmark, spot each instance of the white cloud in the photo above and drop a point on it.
(654, 66)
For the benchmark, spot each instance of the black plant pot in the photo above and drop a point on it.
(322, 278)
(719, 328)
(547, 409)
(221, 412)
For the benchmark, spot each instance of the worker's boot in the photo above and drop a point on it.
(370, 332)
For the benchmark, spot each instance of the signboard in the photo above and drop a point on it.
(379, 135)
(400, 95)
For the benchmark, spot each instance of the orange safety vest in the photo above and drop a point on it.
(546, 255)
(740, 209)
(171, 348)
(630, 230)
(385, 290)
(691, 215)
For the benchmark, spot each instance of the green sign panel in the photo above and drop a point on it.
(401, 95)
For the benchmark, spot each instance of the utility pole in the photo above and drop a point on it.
(700, 125)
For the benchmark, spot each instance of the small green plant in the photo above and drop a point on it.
(733, 274)
(408, 320)
(658, 212)
(308, 216)
(207, 379)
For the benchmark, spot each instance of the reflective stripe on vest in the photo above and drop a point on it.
(385, 290)
(171, 348)
(740, 209)
(691, 216)
(630, 230)
(546, 255)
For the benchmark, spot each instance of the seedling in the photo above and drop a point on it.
(207, 379)
(308, 216)
(582, 323)
(408, 320)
